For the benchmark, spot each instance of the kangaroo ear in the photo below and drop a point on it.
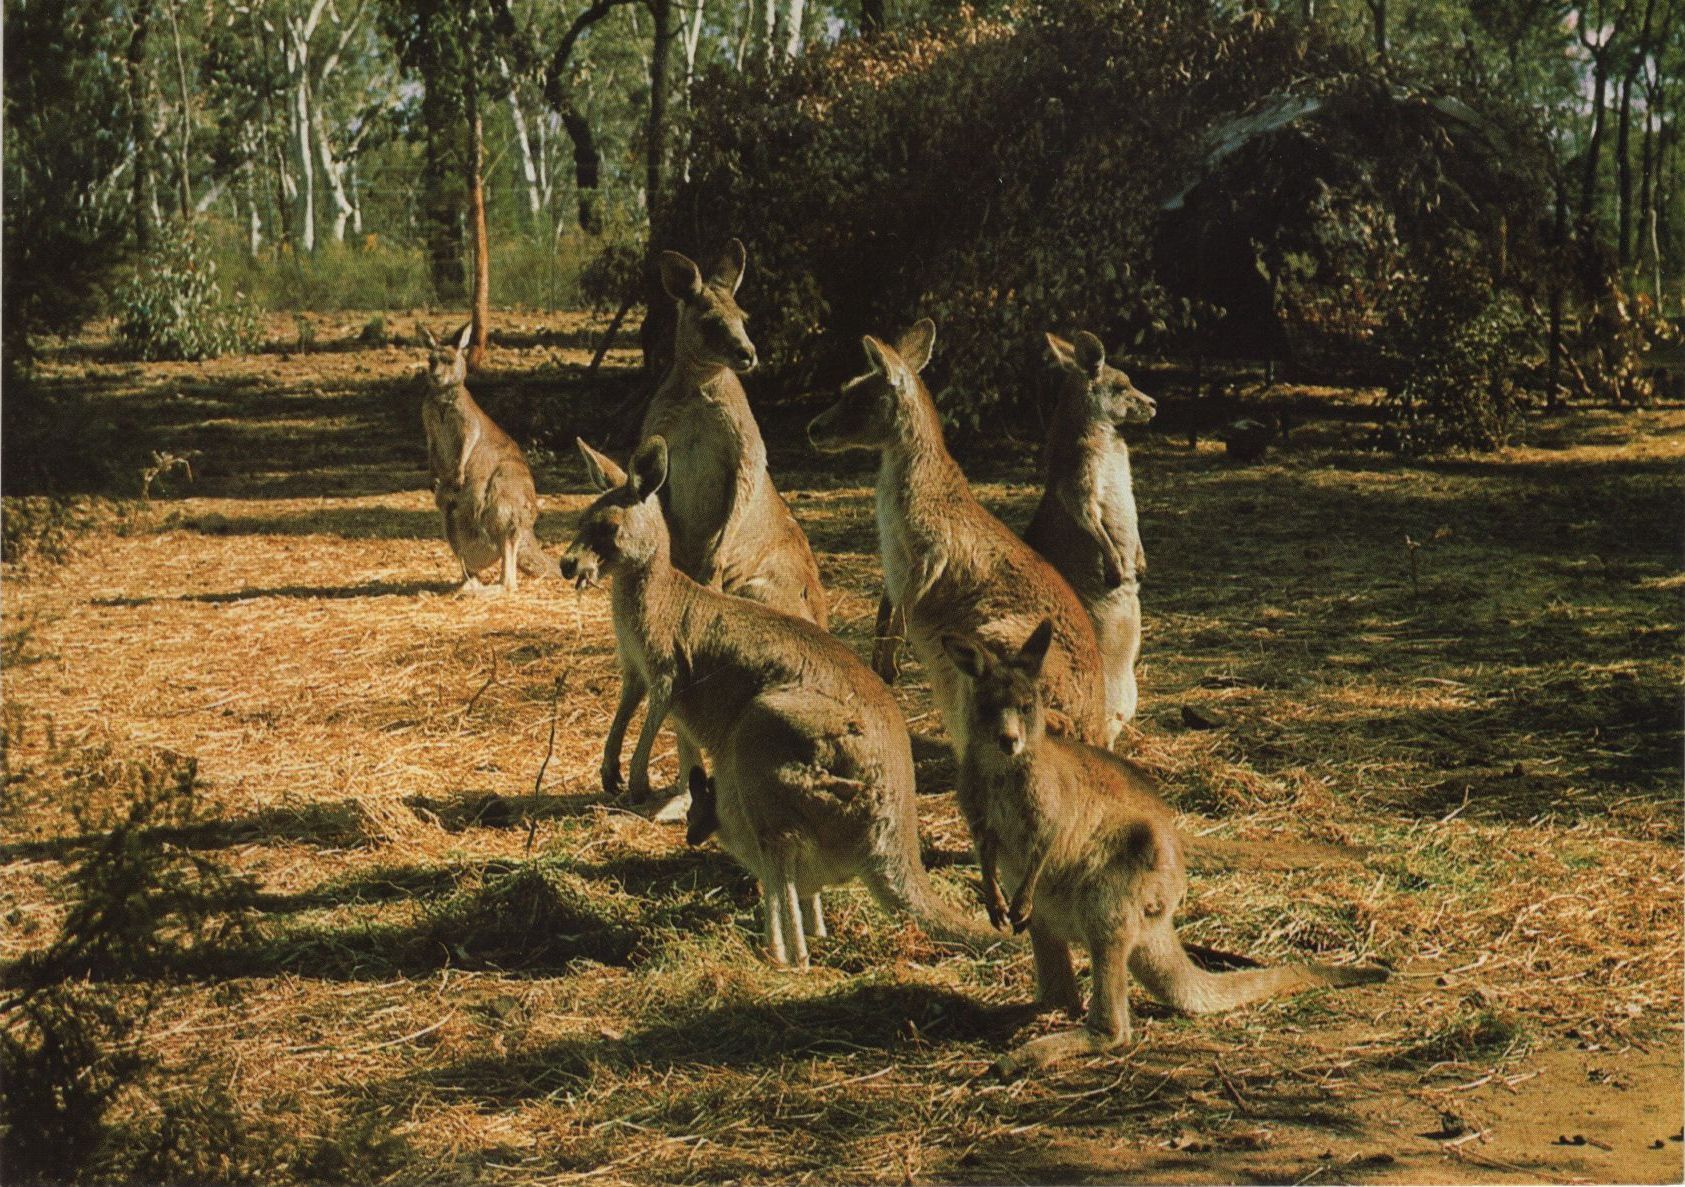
(599, 468)
(462, 336)
(969, 656)
(649, 467)
(886, 362)
(1034, 651)
(680, 276)
(1062, 351)
(727, 271)
(1090, 354)
(426, 336)
(916, 344)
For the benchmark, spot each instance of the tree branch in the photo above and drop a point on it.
(554, 91)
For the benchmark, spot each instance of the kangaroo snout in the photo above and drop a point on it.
(746, 360)
(1011, 742)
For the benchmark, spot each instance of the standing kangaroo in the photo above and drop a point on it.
(949, 566)
(1094, 858)
(730, 527)
(1086, 526)
(481, 483)
(813, 772)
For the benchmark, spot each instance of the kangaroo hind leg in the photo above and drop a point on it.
(1107, 1028)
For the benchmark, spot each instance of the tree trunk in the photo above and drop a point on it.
(1378, 14)
(523, 142)
(661, 43)
(136, 58)
(587, 168)
(1559, 250)
(477, 219)
(298, 81)
(184, 178)
(333, 173)
(793, 29)
(1623, 169)
(1594, 143)
(872, 17)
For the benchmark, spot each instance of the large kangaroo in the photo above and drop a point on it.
(730, 527)
(1094, 859)
(949, 566)
(813, 773)
(1086, 526)
(481, 482)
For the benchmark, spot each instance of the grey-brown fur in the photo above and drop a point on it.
(949, 565)
(1093, 858)
(812, 767)
(1086, 524)
(731, 529)
(481, 482)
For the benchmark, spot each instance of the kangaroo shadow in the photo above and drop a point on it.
(309, 593)
(348, 523)
(747, 1034)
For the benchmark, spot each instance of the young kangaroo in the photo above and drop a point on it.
(812, 767)
(730, 527)
(1086, 524)
(949, 566)
(481, 483)
(1093, 857)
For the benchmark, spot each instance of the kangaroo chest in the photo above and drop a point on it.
(712, 465)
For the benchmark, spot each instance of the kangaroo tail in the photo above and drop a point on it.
(903, 887)
(534, 561)
(1211, 853)
(1163, 967)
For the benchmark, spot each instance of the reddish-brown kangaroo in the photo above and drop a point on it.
(1093, 857)
(950, 566)
(481, 482)
(813, 772)
(731, 529)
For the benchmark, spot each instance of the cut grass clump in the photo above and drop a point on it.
(1475, 1033)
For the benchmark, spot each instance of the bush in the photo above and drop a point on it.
(1460, 390)
(173, 308)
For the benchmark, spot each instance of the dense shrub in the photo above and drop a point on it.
(173, 307)
(1009, 176)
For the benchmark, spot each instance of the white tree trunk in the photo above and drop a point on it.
(529, 168)
(793, 29)
(333, 176)
(298, 128)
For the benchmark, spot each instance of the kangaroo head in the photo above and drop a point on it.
(1092, 389)
(874, 407)
(624, 526)
(447, 366)
(710, 331)
(1005, 703)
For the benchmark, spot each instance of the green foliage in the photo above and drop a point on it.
(173, 307)
(1459, 388)
(64, 220)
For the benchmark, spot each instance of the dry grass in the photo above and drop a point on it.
(454, 975)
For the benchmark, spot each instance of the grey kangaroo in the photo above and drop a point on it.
(1086, 525)
(730, 527)
(1093, 857)
(481, 482)
(813, 772)
(950, 566)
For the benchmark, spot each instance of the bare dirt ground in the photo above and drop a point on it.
(462, 964)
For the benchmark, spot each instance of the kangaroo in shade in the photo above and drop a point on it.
(1093, 858)
(731, 529)
(481, 482)
(1086, 526)
(813, 772)
(949, 566)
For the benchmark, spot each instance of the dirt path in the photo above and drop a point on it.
(462, 972)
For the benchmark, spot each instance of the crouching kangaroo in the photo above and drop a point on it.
(949, 566)
(813, 773)
(481, 483)
(731, 529)
(1094, 859)
(1086, 526)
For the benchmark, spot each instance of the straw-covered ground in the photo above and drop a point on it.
(315, 849)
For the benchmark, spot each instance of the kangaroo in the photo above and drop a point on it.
(481, 483)
(813, 769)
(730, 527)
(1094, 858)
(1086, 526)
(949, 566)
(702, 819)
